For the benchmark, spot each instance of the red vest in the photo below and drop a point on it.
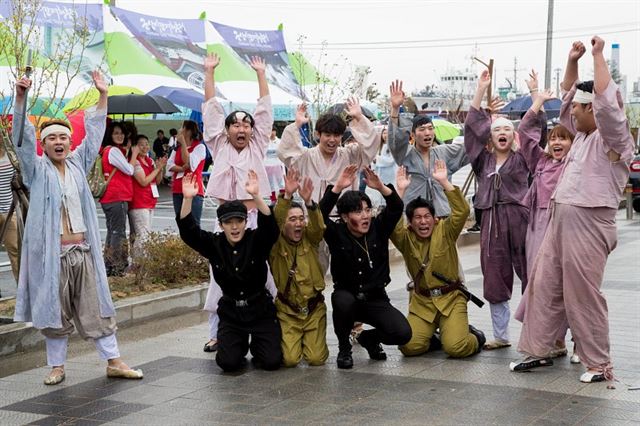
(142, 195)
(176, 187)
(120, 186)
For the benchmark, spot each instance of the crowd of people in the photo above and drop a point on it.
(547, 200)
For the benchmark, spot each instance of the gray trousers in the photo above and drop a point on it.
(115, 244)
(79, 296)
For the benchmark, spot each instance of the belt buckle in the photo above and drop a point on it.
(241, 303)
(436, 292)
(360, 296)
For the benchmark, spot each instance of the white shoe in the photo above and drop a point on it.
(592, 378)
(575, 359)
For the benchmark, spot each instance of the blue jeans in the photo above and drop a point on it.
(196, 206)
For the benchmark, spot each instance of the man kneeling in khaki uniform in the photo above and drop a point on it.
(429, 247)
(299, 277)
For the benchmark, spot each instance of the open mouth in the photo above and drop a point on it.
(502, 139)
(557, 150)
(424, 228)
(59, 150)
(241, 138)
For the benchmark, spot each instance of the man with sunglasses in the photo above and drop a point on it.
(359, 246)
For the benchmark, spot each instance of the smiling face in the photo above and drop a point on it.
(294, 225)
(583, 116)
(358, 222)
(502, 138)
(233, 229)
(422, 222)
(424, 136)
(144, 146)
(329, 143)
(559, 144)
(57, 146)
(117, 136)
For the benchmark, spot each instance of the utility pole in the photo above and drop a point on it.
(547, 62)
(557, 70)
(515, 75)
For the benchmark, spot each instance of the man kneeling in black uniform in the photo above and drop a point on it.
(359, 246)
(238, 260)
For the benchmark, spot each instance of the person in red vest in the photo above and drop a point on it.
(118, 170)
(188, 157)
(146, 176)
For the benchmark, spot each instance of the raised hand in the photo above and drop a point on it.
(211, 61)
(496, 104)
(403, 179)
(302, 116)
(135, 150)
(306, 190)
(189, 185)
(346, 178)
(161, 162)
(99, 82)
(396, 95)
(258, 64)
(484, 81)
(353, 108)
(440, 171)
(532, 83)
(597, 45)
(22, 86)
(372, 179)
(251, 185)
(546, 95)
(291, 182)
(577, 50)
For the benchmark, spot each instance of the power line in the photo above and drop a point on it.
(329, 46)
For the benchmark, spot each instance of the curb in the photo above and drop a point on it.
(23, 337)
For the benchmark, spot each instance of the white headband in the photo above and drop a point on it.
(501, 121)
(583, 97)
(54, 129)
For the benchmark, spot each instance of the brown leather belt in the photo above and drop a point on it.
(312, 304)
(438, 291)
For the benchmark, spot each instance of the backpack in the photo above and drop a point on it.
(208, 159)
(95, 178)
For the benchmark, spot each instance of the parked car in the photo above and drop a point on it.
(634, 180)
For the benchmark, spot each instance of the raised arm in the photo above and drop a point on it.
(530, 130)
(27, 152)
(291, 185)
(391, 214)
(213, 114)
(252, 186)
(199, 240)
(367, 139)
(315, 225)
(571, 70)
(290, 147)
(403, 180)
(608, 108)
(210, 63)
(459, 207)
(95, 123)
(397, 132)
(331, 195)
(260, 66)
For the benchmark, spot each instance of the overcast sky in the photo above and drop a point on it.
(418, 40)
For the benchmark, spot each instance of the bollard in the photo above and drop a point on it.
(628, 190)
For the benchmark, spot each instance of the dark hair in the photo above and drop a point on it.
(585, 86)
(417, 204)
(54, 121)
(140, 136)
(558, 131)
(232, 119)
(351, 201)
(108, 140)
(192, 127)
(173, 132)
(130, 131)
(160, 131)
(331, 124)
(295, 205)
(420, 120)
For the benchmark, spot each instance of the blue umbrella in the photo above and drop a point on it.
(520, 105)
(187, 98)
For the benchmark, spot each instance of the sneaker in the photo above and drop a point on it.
(479, 335)
(575, 359)
(474, 229)
(374, 349)
(529, 363)
(344, 359)
(592, 377)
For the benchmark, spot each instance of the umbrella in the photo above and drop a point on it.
(522, 104)
(445, 130)
(187, 98)
(140, 104)
(340, 109)
(88, 98)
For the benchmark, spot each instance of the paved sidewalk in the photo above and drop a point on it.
(182, 384)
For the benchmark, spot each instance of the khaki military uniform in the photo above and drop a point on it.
(300, 304)
(448, 311)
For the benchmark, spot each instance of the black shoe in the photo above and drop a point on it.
(479, 335)
(210, 348)
(344, 359)
(474, 229)
(374, 349)
(530, 363)
(435, 344)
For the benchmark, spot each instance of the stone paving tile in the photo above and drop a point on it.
(11, 418)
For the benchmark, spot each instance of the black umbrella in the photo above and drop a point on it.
(340, 109)
(140, 104)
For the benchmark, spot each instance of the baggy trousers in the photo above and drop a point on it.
(304, 336)
(565, 285)
(391, 327)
